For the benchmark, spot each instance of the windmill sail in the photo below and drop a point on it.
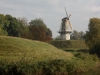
(70, 25)
(69, 16)
(66, 12)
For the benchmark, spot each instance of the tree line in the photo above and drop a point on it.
(19, 27)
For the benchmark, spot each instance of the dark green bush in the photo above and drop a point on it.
(96, 49)
(86, 56)
(69, 44)
(80, 63)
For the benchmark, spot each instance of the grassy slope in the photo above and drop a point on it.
(13, 49)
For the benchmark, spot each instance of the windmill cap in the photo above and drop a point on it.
(65, 18)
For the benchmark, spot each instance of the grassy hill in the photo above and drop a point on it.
(20, 56)
(14, 49)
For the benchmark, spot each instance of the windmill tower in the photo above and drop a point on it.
(65, 28)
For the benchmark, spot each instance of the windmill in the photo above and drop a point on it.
(65, 28)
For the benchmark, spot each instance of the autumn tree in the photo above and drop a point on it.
(48, 35)
(39, 30)
(92, 37)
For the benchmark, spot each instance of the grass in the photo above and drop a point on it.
(20, 56)
(14, 48)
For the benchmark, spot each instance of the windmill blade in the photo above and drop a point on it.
(66, 12)
(70, 25)
(69, 16)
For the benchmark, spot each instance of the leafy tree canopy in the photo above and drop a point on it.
(3, 24)
(93, 34)
(13, 29)
(77, 35)
(38, 22)
(39, 30)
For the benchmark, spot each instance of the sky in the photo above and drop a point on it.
(52, 11)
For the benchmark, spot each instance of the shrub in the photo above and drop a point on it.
(96, 49)
(68, 44)
(53, 67)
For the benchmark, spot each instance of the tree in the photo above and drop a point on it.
(92, 37)
(49, 32)
(23, 27)
(38, 22)
(77, 35)
(3, 24)
(13, 28)
(39, 30)
(48, 35)
(81, 35)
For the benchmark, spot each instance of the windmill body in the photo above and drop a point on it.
(65, 28)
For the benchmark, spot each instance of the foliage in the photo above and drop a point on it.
(48, 67)
(23, 27)
(68, 44)
(13, 28)
(18, 27)
(49, 32)
(96, 49)
(93, 35)
(77, 35)
(39, 30)
(37, 33)
(3, 24)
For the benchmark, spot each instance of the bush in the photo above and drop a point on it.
(96, 49)
(53, 67)
(68, 44)
(86, 56)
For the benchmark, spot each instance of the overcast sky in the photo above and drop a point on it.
(52, 11)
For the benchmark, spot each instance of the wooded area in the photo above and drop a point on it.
(19, 27)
